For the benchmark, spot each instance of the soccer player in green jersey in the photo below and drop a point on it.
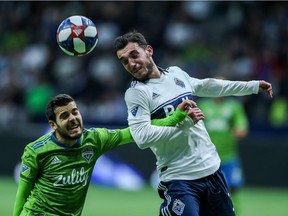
(227, 122)
(56, 168)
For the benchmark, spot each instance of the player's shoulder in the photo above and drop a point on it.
(174, 69)
(97, 131)
(99, 135)
(135, 84)
(41, 143)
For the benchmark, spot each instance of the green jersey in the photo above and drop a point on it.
(63, 173)
(220, 120)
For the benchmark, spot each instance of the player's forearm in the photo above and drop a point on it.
(172, 120)
(126, 136)
(23, 192)
(18, 205)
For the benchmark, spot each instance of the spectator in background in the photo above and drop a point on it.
(226, 122)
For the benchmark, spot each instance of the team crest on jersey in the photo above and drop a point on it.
(25, 170)
(87, 154)
(179, 82)
(178, 207)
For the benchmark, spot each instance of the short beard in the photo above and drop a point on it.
(149, 66)
(66, 136)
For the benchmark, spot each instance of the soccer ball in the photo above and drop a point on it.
(77, 35)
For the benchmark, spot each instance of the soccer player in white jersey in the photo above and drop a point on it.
(188, 164)
(56, 168)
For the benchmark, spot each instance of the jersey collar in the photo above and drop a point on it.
(77, 144)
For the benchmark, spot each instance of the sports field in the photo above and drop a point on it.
(111, 202)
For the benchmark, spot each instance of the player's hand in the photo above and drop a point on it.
(185, 105)
(265, 87)
(192, 110)
(195, 114)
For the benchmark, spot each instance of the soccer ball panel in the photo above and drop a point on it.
(76, 20)
(64, 34)
(90, 31)
(77, 36)
(79, 45)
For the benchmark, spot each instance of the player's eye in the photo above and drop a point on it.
(64, 116)
(134, 56)
(125, 62)
(75, 113)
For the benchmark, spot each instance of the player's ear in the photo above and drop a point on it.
(52, 124)
(149, 50)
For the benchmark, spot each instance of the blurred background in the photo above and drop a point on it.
(242, 40)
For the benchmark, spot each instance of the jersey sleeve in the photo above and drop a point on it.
(177, 117)
(108, 139)
(210, 87)
(144, 133)
(23, 192)
(29, 166)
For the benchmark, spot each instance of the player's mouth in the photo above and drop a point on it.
(74, 128)
(136, 70)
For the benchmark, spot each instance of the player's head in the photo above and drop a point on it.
(135, 55)
(133, 36)
(64, 118)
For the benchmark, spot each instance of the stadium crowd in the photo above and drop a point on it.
(239, 40)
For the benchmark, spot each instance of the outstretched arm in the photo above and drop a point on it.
(183, 110)
(23, 191)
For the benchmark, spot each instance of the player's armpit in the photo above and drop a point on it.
(24, 189)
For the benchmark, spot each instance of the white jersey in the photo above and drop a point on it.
(184, 152)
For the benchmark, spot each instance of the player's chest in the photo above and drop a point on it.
(167, 94)
(69, 160)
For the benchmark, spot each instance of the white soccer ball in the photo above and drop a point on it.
(77, 35)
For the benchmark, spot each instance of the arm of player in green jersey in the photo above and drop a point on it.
(23, 191)
(172, 120)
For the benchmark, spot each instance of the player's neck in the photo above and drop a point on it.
(66, 142)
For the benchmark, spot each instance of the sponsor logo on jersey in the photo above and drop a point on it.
(87, 154)
(25, 170)
(178, 207)
(168, 108)
(75, 177)
(179, 82)
(56, 160)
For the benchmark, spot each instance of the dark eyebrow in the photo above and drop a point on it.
(64, 113)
